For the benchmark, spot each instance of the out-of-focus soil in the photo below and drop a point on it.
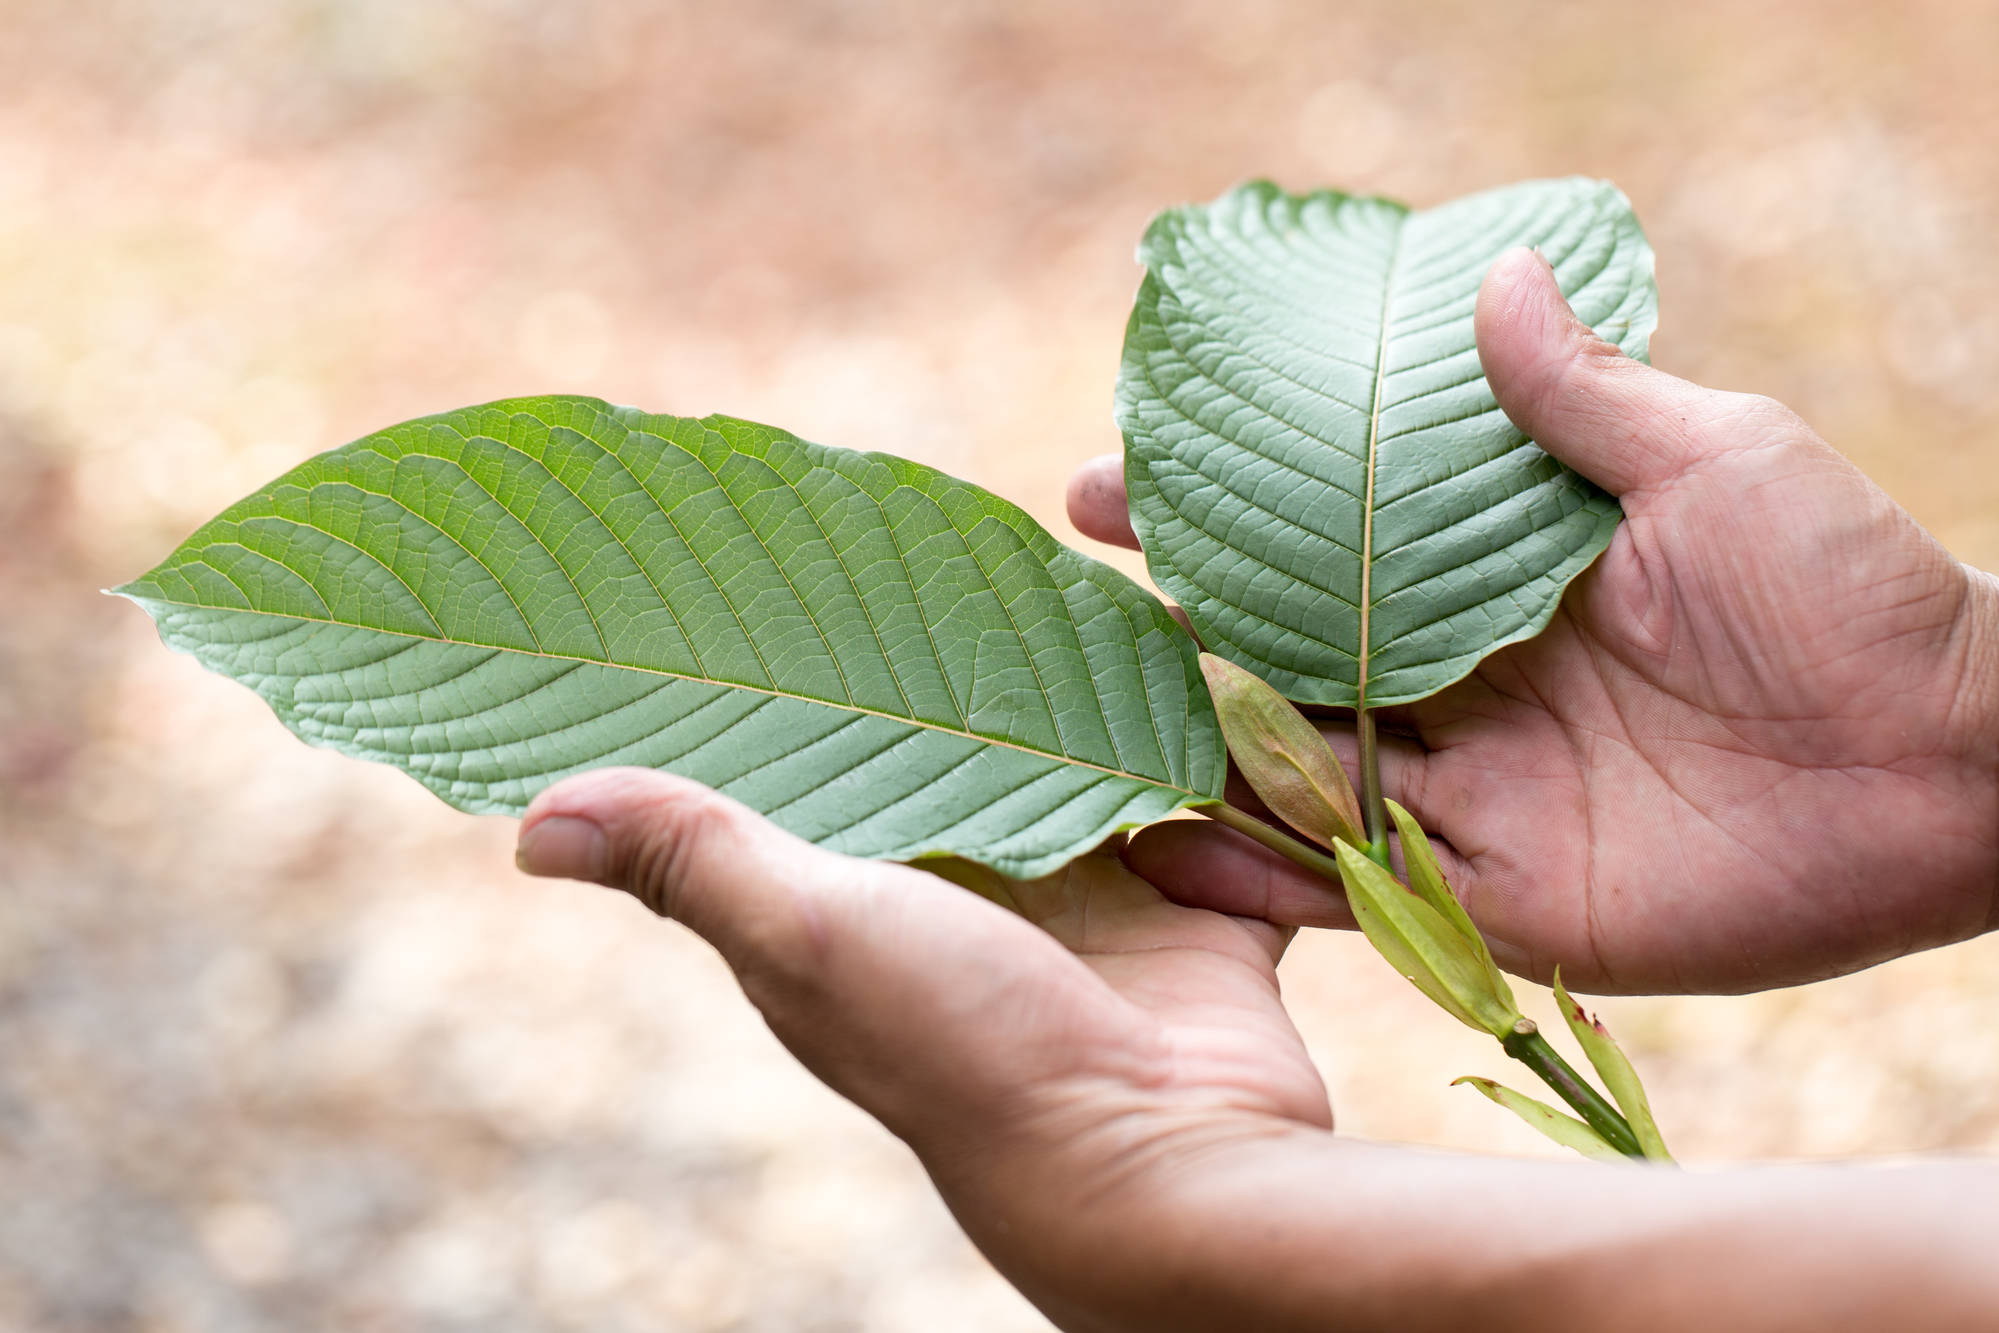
(285, 1044)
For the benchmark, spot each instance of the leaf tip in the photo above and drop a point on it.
(1214, 670)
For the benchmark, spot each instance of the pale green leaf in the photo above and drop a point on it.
(1424, 947)
(881, 658)
(1615, 1069)
(1317, 469)
(1563, 1129)
(1426, 880)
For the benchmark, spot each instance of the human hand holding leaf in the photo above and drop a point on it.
(1743, 729)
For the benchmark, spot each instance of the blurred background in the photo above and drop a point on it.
(286, 1044)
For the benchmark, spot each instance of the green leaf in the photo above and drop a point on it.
(1426, 881)
(1317, 469)
(1424, 947)
(1563, 1129)
(1614, 1068)
(881, 658)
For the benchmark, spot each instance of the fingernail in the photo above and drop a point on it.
(563, 847)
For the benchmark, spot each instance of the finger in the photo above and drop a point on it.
(1097, 502)
(1099, 908)
(1617, 421)
(687, 853)
(1199, 864)
(1272, 938)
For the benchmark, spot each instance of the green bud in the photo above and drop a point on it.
(1287, 762)
(1423, 946)
(1616, 1072)
(1426, 880)
(1563, 1129)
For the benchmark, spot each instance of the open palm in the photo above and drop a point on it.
(1754, 747)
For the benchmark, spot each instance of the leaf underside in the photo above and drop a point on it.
(1317, 469)
(883, 659)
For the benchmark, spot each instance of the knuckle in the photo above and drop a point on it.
(787, 946)
(666, 845)
(785, 959)
(1757, 420)
(1594, 353)
(1575, 379)
(686, 855)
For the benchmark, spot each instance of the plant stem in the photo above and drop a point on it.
(1372, 812)
(1526, 1044)
(1276, 840)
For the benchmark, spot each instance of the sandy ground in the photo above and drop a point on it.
(285, 1044)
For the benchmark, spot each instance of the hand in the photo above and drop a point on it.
(1759, 743)
(1050, 1064)
(1134, 1136)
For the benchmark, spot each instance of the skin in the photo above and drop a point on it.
(1103, 1082)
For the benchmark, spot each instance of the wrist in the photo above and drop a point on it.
(1290, 1228)
(1287, 1227)
(1976, 712)
(1113, 1218)
(1975, 717)
(1175, 1232)
(1164, 1223)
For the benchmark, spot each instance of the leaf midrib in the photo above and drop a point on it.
(677, 675)
(1363, 663)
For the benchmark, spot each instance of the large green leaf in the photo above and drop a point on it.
(884, 659)
(1317, 469)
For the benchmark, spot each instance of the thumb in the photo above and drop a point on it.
(885, 981)
(688, 853)
(1619, 422)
